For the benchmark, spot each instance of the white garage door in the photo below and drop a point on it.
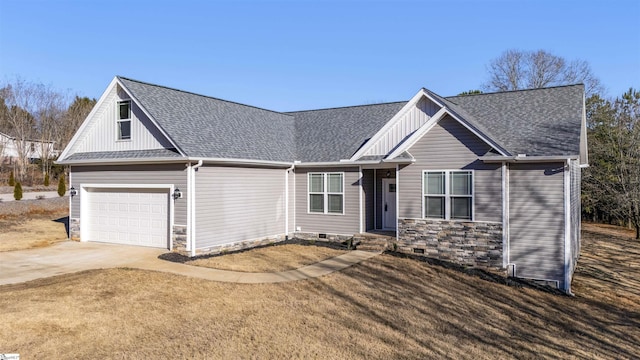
(128, 216)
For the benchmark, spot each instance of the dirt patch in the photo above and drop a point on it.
(609, 230)
(386, 307)
(33, 223)
(269, 259)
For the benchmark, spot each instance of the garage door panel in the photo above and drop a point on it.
(128, 216)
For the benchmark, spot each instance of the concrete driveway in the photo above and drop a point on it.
(70, 256)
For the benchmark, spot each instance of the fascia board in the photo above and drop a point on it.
(153, 120)
(88, 119)
(410, 104)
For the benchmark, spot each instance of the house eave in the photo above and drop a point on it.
(169, 160)
(527, 159)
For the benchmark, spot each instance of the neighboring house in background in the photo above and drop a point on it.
(489, 180)
(33, 149)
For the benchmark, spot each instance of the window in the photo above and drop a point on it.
(448, 194)
(124, 120)
(326, 193)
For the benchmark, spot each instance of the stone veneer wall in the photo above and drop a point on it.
(240, 245)
(179, 238)
(476, 244)
(74, 229)
(316, 237)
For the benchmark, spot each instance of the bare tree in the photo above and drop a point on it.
(517, 70)
(33, 110)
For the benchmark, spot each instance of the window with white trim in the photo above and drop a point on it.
(326, 193)
(448, 194)
(124, 120)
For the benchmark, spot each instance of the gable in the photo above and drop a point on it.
(449, 145)
(100, 132)
(408, 123)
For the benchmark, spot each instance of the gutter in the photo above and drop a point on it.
(151, 160)
(527, 159)
(286, 200)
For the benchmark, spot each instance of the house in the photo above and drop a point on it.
(12, 148)
(488, 180)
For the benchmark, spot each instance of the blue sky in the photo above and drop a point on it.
(293, 55)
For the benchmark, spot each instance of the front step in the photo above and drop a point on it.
(372, 242)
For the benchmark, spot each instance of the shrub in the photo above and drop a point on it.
(17, 191)
(46, 179)
(62, 188)
(12, 180)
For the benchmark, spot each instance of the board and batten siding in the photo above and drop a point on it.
(536, 220)
(450, 146)
(410, 122)
(234, 204)
(346, 224)
(175, 174)
(101, 133)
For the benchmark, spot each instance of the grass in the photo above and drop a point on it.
(269, 258)
(387, 307)
(35, 227)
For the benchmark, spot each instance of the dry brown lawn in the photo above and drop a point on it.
(270, 258)
(32, 224)
(384, 308)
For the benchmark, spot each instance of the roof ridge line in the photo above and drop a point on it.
(201, 95)
(518, 90)
(346, 107)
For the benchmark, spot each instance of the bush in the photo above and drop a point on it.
(17, 191)
(46, 179)
(12, 180)
(62, 188)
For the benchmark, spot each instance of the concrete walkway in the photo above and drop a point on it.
(69, 257)
(32, 195)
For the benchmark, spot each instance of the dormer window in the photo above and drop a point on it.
(124, 120)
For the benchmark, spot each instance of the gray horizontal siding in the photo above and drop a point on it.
(324, 223)
(450, 146)
(576, 211)
(236, 203)
(175, 174)
(536, 220)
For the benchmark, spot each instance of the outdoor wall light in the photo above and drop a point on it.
(388, 173)
(177, 194)
(73, 192)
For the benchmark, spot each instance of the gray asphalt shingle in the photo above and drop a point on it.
(127, 154)
(543, 122)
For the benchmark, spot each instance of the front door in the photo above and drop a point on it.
(389, 203)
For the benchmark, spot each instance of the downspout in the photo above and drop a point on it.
(567, 227)
(192, 194)
(286, 201)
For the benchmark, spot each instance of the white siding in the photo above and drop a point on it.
(409, 123)
(101, 132)
(234, 204)
(450, 146)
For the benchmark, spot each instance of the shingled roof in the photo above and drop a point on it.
(543, 122)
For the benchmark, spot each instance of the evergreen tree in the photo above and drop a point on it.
(17, 191)
(62, 188)
(46, 179)
(12, 179)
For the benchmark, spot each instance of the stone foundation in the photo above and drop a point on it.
(326, 237)
(179, 238)
(240, 245)
(74, 229)
(477, 244)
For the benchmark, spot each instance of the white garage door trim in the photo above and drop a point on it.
(84, 204)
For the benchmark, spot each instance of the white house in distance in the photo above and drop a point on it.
(487, 180)
(33, 149)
